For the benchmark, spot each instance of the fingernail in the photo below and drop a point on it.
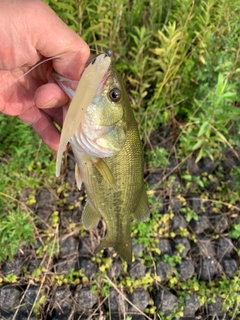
(50, 104)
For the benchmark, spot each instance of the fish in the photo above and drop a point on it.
(109, 161)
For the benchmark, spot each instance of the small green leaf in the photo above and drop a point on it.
(203, 128)
(235, 232)
(198, 144)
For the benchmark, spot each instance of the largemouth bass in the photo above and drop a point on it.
(109, 161)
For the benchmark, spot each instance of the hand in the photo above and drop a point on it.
(31, 32)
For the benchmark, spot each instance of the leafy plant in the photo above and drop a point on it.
(234, 233)
(14, 228)
(157, 157)
(208, 128)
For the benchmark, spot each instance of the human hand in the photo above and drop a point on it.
(31, 32)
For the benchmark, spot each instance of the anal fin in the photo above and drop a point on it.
(90, 217)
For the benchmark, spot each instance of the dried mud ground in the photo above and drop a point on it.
(59, 277)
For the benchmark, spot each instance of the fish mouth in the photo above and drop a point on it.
(108, 53)
(106, 75)
(67, 85)
(103, 83)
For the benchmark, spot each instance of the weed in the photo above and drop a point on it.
(157, 157)
(234, 233)
(13, 229)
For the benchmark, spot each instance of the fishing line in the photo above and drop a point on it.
(46, 60)
(41, 62)
(49, 59)
(34, 67)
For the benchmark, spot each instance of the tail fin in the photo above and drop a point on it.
(124, 249)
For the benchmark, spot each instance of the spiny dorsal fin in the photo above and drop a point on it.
(90, 217)
(103, 168)
(78, 176)
(142, 212)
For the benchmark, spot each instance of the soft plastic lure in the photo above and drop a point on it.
(86, 89)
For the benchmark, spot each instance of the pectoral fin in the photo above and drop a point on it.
(90, 217)
(142, 212)
(78, 176)
(104, 170)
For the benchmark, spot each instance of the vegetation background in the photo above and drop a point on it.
(180, 62)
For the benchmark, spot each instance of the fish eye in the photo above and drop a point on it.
(115, 95)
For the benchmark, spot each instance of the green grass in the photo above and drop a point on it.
(26, 165)
(180, 63)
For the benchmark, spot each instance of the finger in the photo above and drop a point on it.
(50, 95)
(56, 114)
(47, 132)
(43, 125)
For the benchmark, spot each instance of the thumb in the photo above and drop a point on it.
(55, 38)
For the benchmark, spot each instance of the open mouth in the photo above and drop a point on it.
(67, 85)
(70, 86)
(103, 82)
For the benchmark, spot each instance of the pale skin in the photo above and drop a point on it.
(31, 32)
